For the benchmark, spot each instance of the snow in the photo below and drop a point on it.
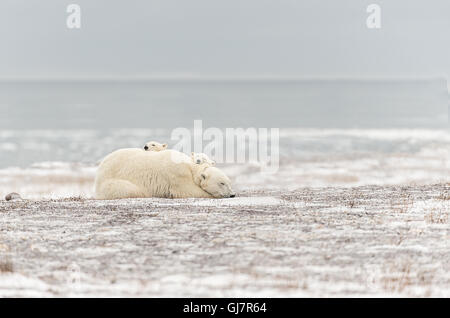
(240, 201)
(310, 242)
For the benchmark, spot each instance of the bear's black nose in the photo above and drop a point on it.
(232, 196)
(145, 148)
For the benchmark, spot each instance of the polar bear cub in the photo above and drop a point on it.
(197, 158)
(201, 158)
(154, 146)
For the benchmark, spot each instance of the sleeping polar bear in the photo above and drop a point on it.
(135, 173)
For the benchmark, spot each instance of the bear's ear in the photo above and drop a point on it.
(204, 176)
(192, 154)
(164, 145)
(213, 163)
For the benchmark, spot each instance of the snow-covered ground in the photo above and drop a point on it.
(363, 241)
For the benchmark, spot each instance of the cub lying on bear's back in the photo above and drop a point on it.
(200, 158)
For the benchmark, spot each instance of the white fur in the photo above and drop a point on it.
(201, 158)
(154, 146)
(134, 173)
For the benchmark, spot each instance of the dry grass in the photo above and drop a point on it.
(6, 267)
(444, 196)
(78, 198)
(437, 216)
(397, 277)
(403, 203)
(351, 203)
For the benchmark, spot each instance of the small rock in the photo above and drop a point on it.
(13, 196)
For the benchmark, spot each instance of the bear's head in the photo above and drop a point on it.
(154, 146)
(215, 182)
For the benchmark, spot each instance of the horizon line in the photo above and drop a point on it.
(217, 78)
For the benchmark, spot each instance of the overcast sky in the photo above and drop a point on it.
(304, 38)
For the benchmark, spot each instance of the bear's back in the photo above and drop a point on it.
(143, 167)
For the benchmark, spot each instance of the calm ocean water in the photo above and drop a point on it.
(82, 121)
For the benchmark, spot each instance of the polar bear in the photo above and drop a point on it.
(201, 158)
(133, 173)
(154, 146)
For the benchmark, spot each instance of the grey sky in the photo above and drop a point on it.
(306, 38)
